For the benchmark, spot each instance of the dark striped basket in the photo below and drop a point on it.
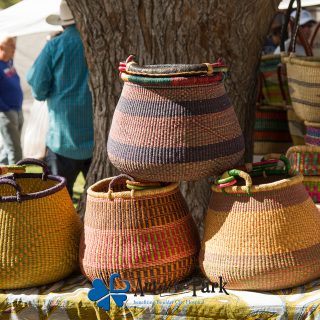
(174, 122)
(271, 132)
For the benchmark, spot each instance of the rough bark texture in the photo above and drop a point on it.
(166, 31)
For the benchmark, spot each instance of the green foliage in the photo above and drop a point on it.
(7, 3)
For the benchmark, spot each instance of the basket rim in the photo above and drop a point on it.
(301, 60)
(283, 183)
(311, 179)
(35, 195)
(302, 148)
(312, 124)
(130, 194)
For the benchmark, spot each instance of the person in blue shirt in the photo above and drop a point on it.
(60, 76)
(11, 96)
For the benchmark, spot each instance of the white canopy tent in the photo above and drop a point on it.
(304, 3)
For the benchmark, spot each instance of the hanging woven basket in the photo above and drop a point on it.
(262, 234)
(174, 122)
(142, 231)
(40, 230)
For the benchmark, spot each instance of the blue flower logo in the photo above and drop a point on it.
(100, 292)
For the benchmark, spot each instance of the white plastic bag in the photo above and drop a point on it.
(34, 139)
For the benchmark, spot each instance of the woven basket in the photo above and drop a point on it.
(296, 127)
(312, 137)
(147, 234)
(271, 132)
(274, 87)
(305, 159)
(40, 230)
(312, 184)
(266, 240)
(172, 123)
(303, 75)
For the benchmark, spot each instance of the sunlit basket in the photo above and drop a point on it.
(174, 122)
(305, 159)
(145, 234)
(262, 234)
(39, 229)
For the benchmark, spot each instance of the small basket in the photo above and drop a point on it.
(145, 235)
(305, 159)
(312, 185)
(312, 137)
(261, 230)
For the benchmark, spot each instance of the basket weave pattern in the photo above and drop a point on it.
(39, 237)
(148, 234)
(182, 129)
(312, 137)
(264, 242)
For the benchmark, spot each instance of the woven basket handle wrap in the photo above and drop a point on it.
(295, 28)
(281, 157)
(120, 177)
(130, 66)
(14, 184)
(36, 162)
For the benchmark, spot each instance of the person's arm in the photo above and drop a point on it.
(40, 77)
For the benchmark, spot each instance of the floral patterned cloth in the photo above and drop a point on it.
(68, 300)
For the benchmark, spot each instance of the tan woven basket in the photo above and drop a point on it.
(267, 240)
(304, 82)
(296, 127)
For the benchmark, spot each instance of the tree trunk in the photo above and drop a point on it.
(166, 31)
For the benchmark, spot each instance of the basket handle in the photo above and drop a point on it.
(281, 157)
(295, 28)
(14, 184)
(117, 179)
(280, 68)
(36, 162)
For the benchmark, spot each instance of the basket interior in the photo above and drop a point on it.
(264, 180)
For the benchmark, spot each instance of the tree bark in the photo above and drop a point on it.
(166, 31)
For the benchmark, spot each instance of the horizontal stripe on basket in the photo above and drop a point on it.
(304, 83)
(159, 132)
(259, 201)
(174, 155)
(263, 263)
(180, 171)
(159, 109)
(272, 136)
(278, 117)
(306, 102)
(140, 248)
(313, 131)
(312, 141)
(142, 93)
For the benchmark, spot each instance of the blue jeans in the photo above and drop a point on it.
(10, 129)
(66, 167)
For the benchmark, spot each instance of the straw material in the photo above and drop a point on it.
(305, 159)
(304, 83)
(147, 234)
(312, 184)
(269, 240)
(312, 137)
(271, 131)
(296, 127)
(39, 237)
(172, 129)
(271, 90)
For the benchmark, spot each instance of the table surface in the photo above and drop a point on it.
(68, 299)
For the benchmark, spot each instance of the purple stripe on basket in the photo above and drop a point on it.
(308, 103)
(304, 84)
(313, 131)
(36, 195)
(312, 140)
(175, 155)
(155, 108)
